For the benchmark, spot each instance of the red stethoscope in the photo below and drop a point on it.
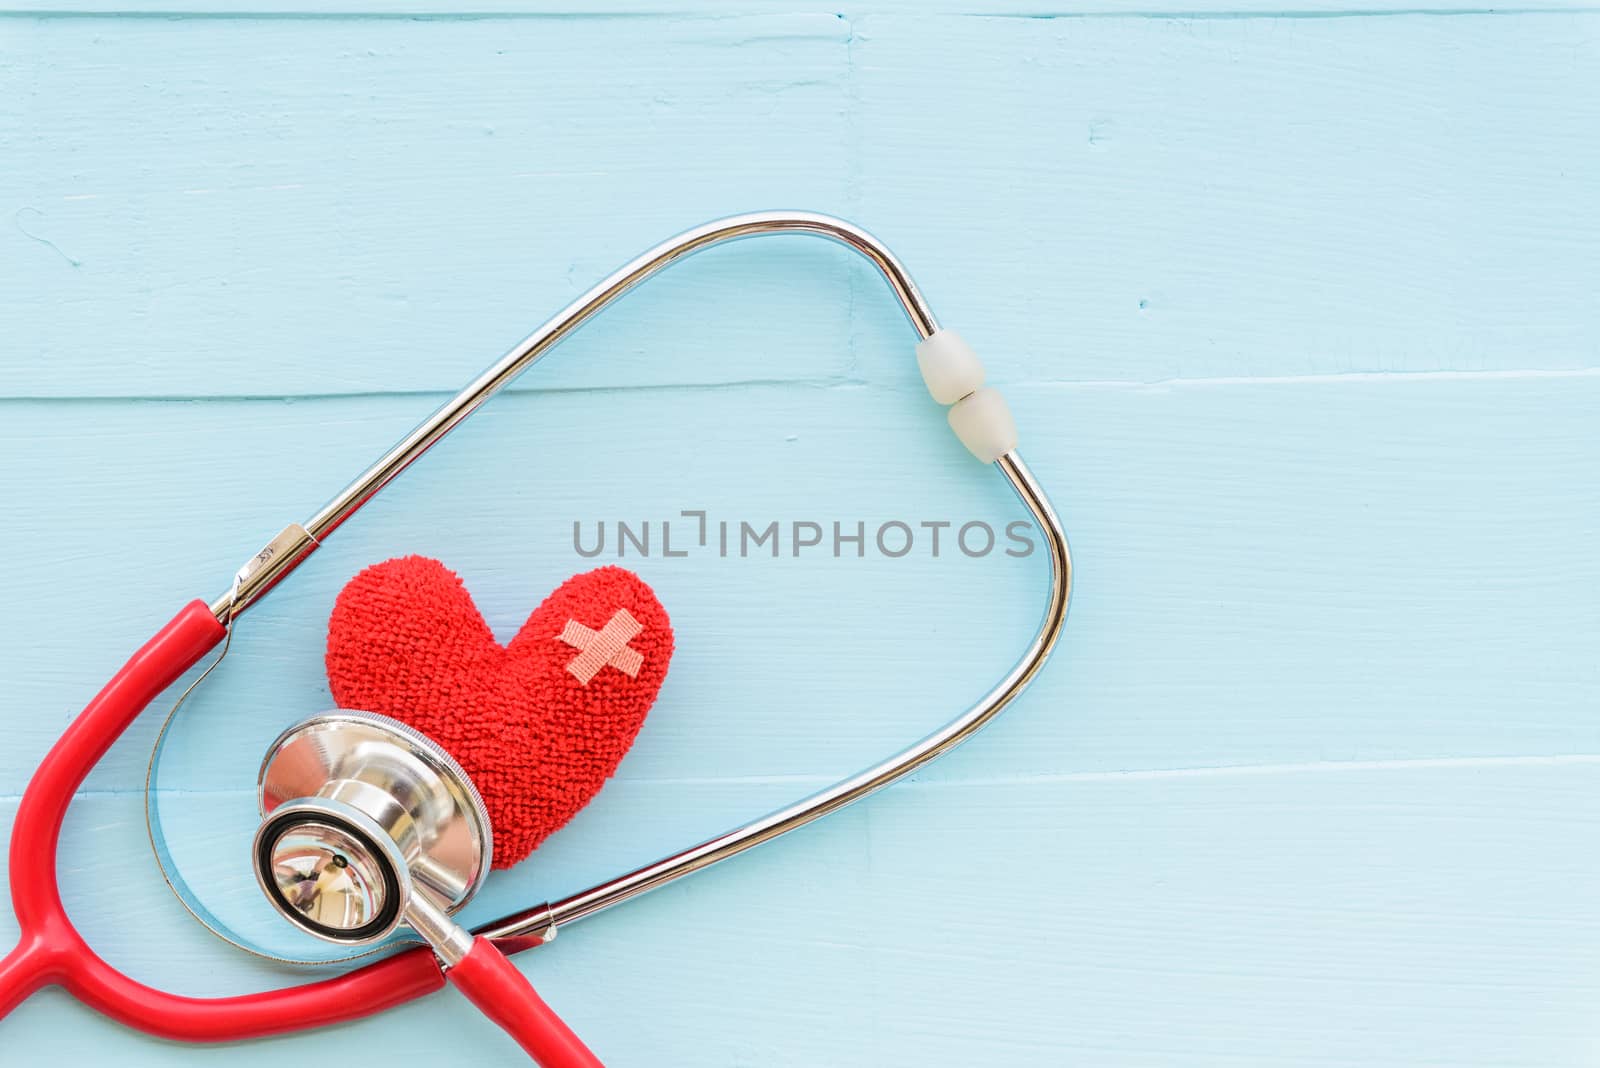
(339, 859)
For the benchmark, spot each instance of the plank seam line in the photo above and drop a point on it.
(421, 14)
(1137, 775)
(1336, 378)
(1328, 13)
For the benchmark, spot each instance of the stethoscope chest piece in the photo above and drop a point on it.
(365, 823)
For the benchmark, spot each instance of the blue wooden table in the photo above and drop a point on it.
(1296, 308)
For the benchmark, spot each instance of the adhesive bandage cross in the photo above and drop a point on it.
(607, 646)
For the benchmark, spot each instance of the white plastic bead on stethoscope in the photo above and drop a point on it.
(949, 366)
(982, 420)
(954, 375)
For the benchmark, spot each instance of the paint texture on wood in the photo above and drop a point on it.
(1295, 309)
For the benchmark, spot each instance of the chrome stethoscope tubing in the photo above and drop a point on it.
(294, 544)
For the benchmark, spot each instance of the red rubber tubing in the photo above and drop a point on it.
(501, 992)
(51, 952)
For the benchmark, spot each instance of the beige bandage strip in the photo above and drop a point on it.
(606, 646)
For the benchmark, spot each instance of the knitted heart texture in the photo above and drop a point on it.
(539, 724)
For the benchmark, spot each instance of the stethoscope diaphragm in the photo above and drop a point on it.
(364, 819)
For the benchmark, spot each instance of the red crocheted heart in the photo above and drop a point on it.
(406, 641)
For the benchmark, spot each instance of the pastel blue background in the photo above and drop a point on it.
(1296, 307)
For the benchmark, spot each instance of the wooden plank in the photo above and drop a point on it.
(1149, 199)
(272, 208)
(1386, 207)
(1381, 915)
(1276, 572)
(1295, 307)
(1031, 10)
